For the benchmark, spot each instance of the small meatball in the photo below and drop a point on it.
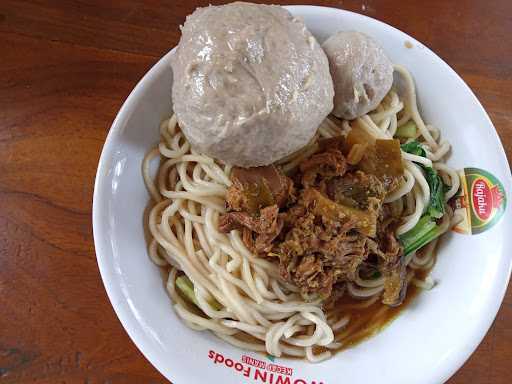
(251, 83)
(361, 72)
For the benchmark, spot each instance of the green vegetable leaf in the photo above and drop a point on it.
(423, 233)
(426, 229)
(414, 148)
(436, 204)
(437, 187)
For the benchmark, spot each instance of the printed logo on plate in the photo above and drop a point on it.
(481, 201)
(259, 371)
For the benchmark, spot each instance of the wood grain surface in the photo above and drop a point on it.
(65, 69)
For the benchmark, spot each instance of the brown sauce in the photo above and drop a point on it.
(364, 322)
(368, 321)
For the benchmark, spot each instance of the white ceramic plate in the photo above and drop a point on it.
(426, 344)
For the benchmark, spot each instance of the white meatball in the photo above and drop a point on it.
(251, 84)
(361, 72)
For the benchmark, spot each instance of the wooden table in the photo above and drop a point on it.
(65, 69)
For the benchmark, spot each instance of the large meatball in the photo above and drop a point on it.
(361, 72)
(251, 84)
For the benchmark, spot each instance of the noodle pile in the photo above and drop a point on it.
(258, 310)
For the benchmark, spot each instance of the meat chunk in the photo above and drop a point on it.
(258, 231)
(263, 241)
(253, 201)
(319, 250)
(357, 190)
(381, 158)
(364, 221)
(323, 165)
(262, 223)
(361, 195)
(256, 188)
(384, 160)
(349, 251)
(325, 242)
(393, 260)
(385, 245)
(335, 227)
(395, 285)
(311, 277)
